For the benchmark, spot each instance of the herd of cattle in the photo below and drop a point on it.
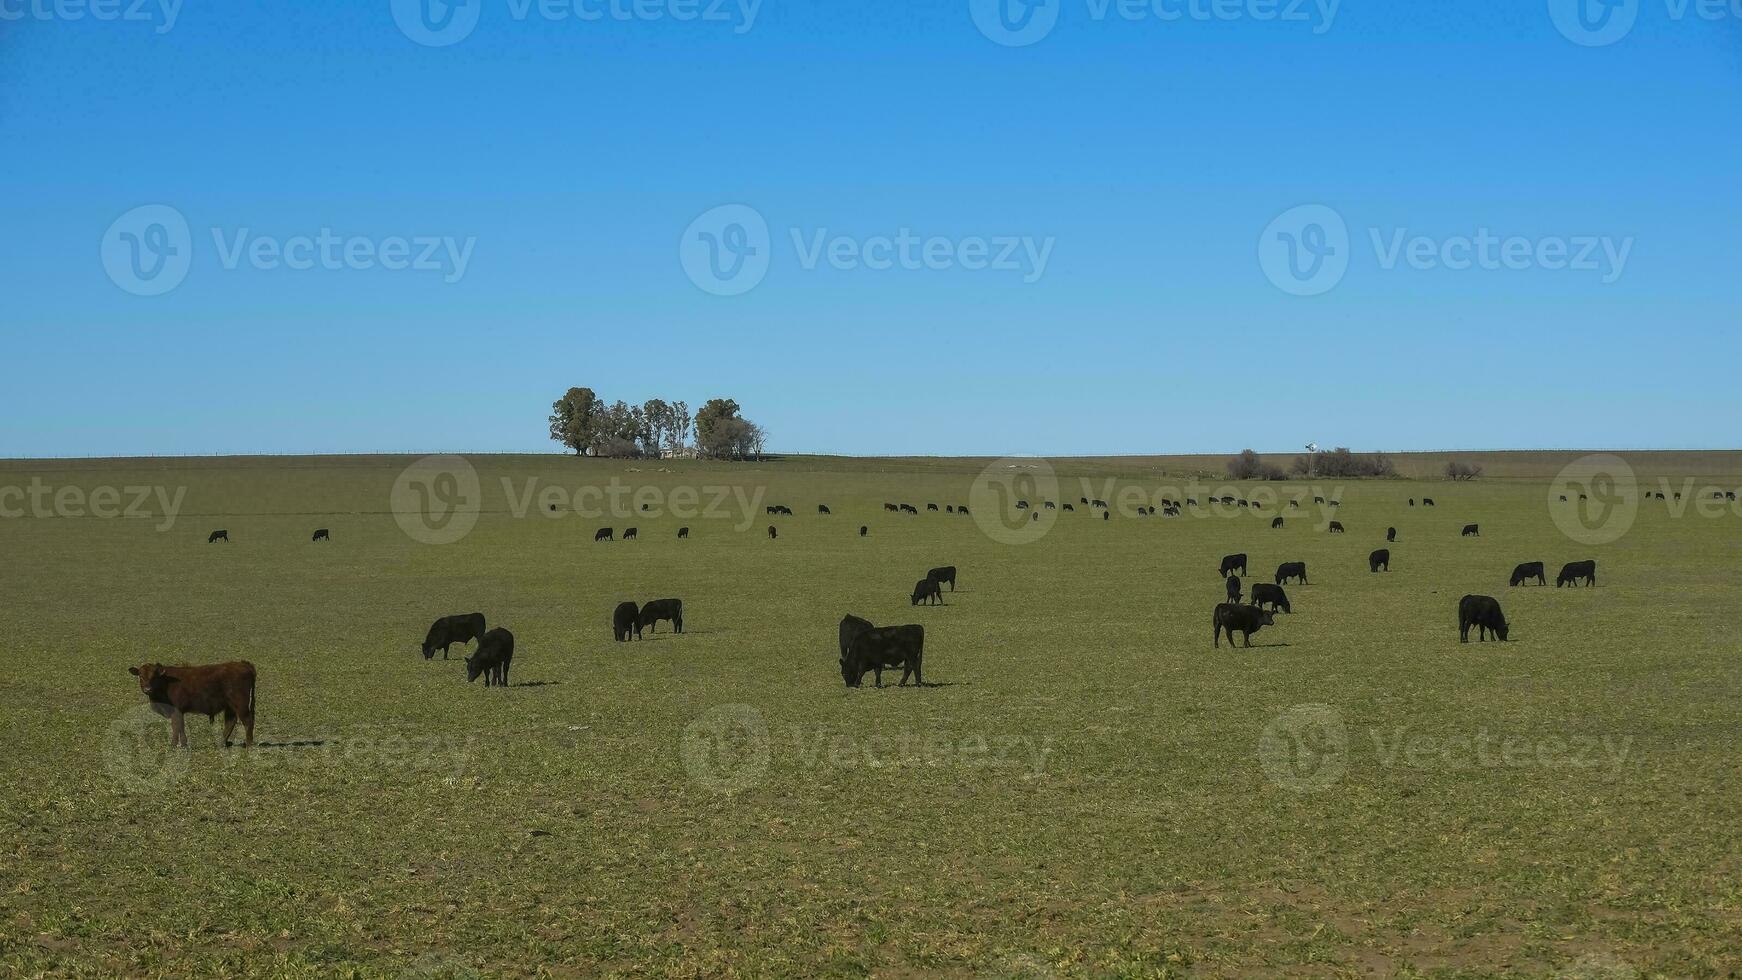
(229, 688)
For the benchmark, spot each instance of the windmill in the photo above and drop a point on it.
(1312, 448)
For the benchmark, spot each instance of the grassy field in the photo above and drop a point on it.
(1089, 789)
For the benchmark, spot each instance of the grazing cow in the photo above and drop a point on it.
(1472, 531)
(449, 630)
(1275, 523)
(1291, 569)
(945, 574)
(949, 508)
(1105, 515)
(1336, 503)
(1083, 500)
(1049, 505)
(852, 627)
(1294, 504)
(1098, 503)
(1336, 527)
(771, 511)
(1318, 500)
(1391, 534)
(1245, 620)
(1227, 500)
(1482, 612)
(1379, 559)
(889, 507)
(1070, 508)
(931, 507)
(1427, 501)
(885, 648)
(629, 534)
(1729, 495)
(223, 536)
(603, 534)
(1573, 572)
(495, 653)
(322, 534)
(1232, 562)
(683, 532)
(772, 532)
(863, 530)
(1412, 501)
(1233, 583)
(961, 508)
(658, 609)
(927, 591)
(1022, 505)
(175, 692)
(1142, 512)
(1243, 503)
(908, 509)
(1563, 498)
(1527, 571)
(1263, 593)
(623, 620)
(1191, 501)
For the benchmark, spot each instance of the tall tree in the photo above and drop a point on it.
(574, 419)
(658, 415)
(715, 435)
(680, 423)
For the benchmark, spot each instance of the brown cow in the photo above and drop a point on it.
(177, 691)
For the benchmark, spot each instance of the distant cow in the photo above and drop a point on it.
(1527, 571)
(449, 630)
(949, 508)
(1412, 501)
(1276, 523)
(945, 574)
(823, 509)
(1191, 501)
(1022, 505)
(1482, 612)
(1245, 620)
(1049, 505)
(670, 610)
(852, 627)
(1098, 503)
(223, 536)
(908, 509)
(1336, 503)
(863, 530)
(1233, 562)
(1472, 531)
(931, 506)
(926, 590)
(683, 532)
(773, 532)
(1427, 501)
(1574, 572)
(1143, 512)
(1291, 569)
(1105, 515)
(1318, 500)
(1379, 559)
(961, 508)
(495, 653)
(1336, 527)
(629, 534)
(1263, 593)
(885, 648)
(1082, 500)
(771, 510)
(890, 507)
(175, 692)
(623, 620)
(1391, 534)
(1243, 503)
(1294, 504)
(603, 534)
(1233, 583)
(322, 534)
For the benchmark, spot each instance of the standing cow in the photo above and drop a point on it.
(495, 653)
(449, 630)
(1291, 569)
(1233, 587)
(926, 590)
(1232, 563)
(623, 621)
(1482, 612)
(175, 692)
(1245, 620)
(1527, 571)
(1379, 559)
(1574, 572)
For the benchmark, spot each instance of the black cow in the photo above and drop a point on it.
(1098, 503)
(1729, 495)
(1527, 571)
(1379, 559)
(771, 510)
(931, 507)
(1472, 531)
(926, 590)
(890, 507)
(1482, 612)
(1427, 501)
(1232, 562)
(683, 532)
(945, 574)
(449, 630)
(223, 536)
(1245, 620)
(1022, 505)
(863, 530)
(772, 532)
(1105, 515)
(1336, 503)
(885, 648)
(629, 534)
(1336, 527)
(658, 609)
(1291, 569)
(908, 509)
(1391, 534)
(623, 620)
(1049, 505)
(322, 534)
(1294, 504)
(1318, 500)
(495, 653)
(1276, 523)
(1574, 572)
(1083, 500)
(1233, 584)
(852, 627)
(961, 508)
(603, 534)
(1264, 593)
(1243, 503)
(1227, 500)
(1412, 501)
(1191, 501)
(1143, 512)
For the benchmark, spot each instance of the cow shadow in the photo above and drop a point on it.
(306, 744)
(536, 684)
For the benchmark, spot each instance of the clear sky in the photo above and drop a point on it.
(1126, 162)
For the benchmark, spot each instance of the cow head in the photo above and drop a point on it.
(474, 667)
(1266, 618)
(848, 674)
(1501, 630)
(152, 679)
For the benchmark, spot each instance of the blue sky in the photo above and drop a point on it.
(1145, 150)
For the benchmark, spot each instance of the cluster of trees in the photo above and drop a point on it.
(583, 422)
(1462, 471)
(1338, 463)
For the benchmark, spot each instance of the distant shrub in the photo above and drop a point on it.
(1250, 466)
(1462, 471)
(1343, 464)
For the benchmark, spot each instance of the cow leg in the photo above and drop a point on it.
(178, 733)
(879, 672)
(1248, 641)
(229, 725)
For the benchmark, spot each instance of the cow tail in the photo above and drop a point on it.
(252, 683)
